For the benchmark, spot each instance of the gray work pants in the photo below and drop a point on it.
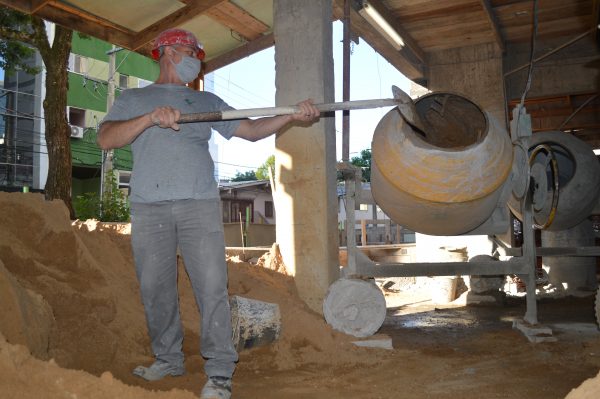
(195, 227)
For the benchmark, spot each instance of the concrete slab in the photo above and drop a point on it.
(380, 342)
(537, 333)
(581, 328)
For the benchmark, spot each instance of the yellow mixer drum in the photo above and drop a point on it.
(446, 179)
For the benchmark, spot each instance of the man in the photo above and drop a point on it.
(175, 204)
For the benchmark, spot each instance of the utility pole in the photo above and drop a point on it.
(108, 155)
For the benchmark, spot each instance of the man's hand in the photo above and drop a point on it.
(307, 113)
(165, 117)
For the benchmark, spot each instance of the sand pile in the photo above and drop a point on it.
(23, 376)
(590, 389)
(68, 292)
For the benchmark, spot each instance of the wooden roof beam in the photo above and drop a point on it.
(37, 4)
(493, 21)
(238, 20)
(74, 18)
(411, 60)
(393, 21)
(254, 46)
(22, 6)
(192, 9)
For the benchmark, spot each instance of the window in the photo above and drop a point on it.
(124, 178)
(225, 205)
(76, 116)
(78, 63)
(123, 81)
(233, 210)
(364, 207)
(269, 209)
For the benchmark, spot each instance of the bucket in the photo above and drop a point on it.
(444, 289)
(254, 323)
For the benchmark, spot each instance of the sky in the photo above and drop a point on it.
(250, 83)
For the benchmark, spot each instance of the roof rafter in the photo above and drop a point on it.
(393, 21)
(192, 9)
(489, 13)
(411, 60)
(254, 46)
(75, 19)
(37, 4)
(238, 20)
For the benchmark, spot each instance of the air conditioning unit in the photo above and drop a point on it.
(76, 132)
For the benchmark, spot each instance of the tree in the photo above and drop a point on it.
(364, 162)
(262, 173)
(17, 28)
(246, 176)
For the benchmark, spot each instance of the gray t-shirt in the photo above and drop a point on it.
(168, 164)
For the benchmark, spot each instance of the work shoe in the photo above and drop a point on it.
(216, 388)
(158, 370)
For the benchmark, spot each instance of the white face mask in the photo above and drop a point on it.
(188, 68)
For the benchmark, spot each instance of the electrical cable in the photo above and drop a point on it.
(530, 70)
(532, 53)
(582, 106)
(19, 92)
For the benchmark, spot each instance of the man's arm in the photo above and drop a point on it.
(117, 134)
(256, 129)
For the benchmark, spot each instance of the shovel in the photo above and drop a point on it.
(401, 100)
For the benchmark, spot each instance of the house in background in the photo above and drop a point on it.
(384, 231)
(252, 198)
(248, 213)
(247, 208)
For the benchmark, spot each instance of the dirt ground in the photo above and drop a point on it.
(72, 326)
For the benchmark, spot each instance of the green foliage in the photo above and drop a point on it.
(87, 206)
(363, 162)
(246, 176)
(14, 55)
(262, 173)
(113, 208)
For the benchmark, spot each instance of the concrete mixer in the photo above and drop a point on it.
(446, 179)
(444, 166)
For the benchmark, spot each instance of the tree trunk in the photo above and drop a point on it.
(58, 134)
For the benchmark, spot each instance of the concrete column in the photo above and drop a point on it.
(474, 71)
(305, 197)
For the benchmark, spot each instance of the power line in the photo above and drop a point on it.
(252, 100)
(19, 92)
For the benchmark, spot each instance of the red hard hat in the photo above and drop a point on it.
(177, 36)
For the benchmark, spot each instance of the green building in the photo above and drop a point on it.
(87, 105)
(23, 151)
